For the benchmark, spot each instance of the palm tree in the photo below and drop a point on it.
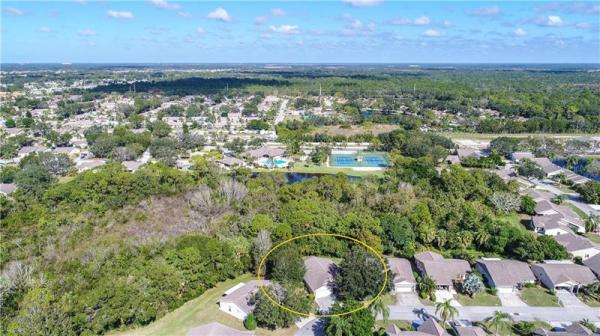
(500, 321)
(446, 311)
(339, 326)
(379, 307)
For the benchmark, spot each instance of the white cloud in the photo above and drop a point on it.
(260, 20)
(549, 21)
(432, 33)
(420, 21)
(285, 29)
(14, 11)
(356, 24)
(164, 4)
(277, 12)
(219, 14)
(486, 11)
(81, 2)
(120, 14)
(200, 30)
(519, 32)
(447, 24)
(584, 25)
(363, 3)
(86, 32)
(44, 30)
(184, 14)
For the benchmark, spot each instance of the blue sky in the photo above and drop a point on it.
(360, 31)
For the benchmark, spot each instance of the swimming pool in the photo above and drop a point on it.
(273, 163)
(359, 159)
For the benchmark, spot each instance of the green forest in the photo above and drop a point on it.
(108, 249)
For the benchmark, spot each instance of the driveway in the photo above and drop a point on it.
(408, 300)
(313, 328)
(443, 295)
(511, 300)
(568, 299)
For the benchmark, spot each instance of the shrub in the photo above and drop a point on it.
(250, 322)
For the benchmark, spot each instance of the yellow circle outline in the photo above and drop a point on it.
(365, 304)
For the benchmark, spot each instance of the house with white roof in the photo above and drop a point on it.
(237, 301)
(563, 275)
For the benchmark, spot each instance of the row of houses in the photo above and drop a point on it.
(505, 275)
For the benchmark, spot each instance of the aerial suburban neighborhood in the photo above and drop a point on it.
(335, 168)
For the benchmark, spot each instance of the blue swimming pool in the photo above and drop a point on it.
(359, 159)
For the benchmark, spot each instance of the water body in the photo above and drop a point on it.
(579, 168)
(299, 177)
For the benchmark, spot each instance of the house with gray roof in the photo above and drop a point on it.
(319, 278)
(469, 331)
(265, 151)
(7, 188)
(548, 167)
(237, 301)
(132, 166)
(505, 275)
(84, 165)
(594, 264)
(563, 275)
(230, 162)
(393, 330)
(518, 156)
(26, 150)
(575, 329)
(404, 280)
(445, 272)
(432, 327)
(578, 246)
(217, 329)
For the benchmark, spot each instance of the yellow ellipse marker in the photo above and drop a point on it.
(365, 304)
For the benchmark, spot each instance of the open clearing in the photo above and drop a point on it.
(200, 311)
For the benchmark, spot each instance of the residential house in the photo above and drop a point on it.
(26, 150)
(464, 153)
(237, 301)
(578, 246)
(132, 166)
(217, 329)
(504, 274)
(231, 162)
(7, 188)
(575, 329)
(549, 225)
(452, 159)
(445, 272)
(432, 327)
(270, 152)
(549, 168)
(404, 280)
(71, 152)
(593, 263)
(563, 275)
(518, 156)
(84, 165)
(319, 278)
(393, 330)
(469, 331)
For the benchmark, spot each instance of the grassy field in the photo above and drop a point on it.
(480, 299)
(593, 237)
(539, 297)
(512, 220)
(306, 168)
(200, 311)
(588, 300)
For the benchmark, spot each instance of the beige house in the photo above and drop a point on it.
(404, 281)
(505, 275)
(563, 275)
(445, 272)
(236, 301)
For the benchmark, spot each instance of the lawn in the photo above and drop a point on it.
(511, 220)
(593, 237)
(578, 211)
(539, 297)
(200, 311)
(588, 300)
(480, 299)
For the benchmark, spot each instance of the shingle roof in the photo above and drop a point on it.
(470, 331)
(7, 188)
(241, 295)
(573, 243)
(593, 263)
(431, 327)
(507, 272)
(547, 165)
(216, 329)
(559, 273)
(265, 151)
(442, 271)
(319, 272)
(401, 269)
